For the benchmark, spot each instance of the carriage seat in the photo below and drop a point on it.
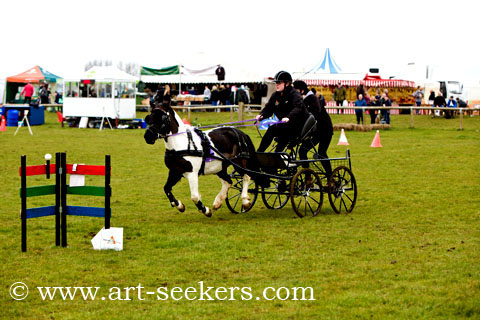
(309, 128)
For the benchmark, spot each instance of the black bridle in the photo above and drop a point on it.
(158, 123)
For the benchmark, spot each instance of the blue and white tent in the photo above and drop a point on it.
(327, 65)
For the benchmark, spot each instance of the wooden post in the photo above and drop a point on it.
(240, 111)
(189, 116)
(461, 119)
(231, 114)
(411, 117)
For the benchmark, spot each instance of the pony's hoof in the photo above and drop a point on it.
(181, 206)
(207, 213)
(246, 206)
(216, 207)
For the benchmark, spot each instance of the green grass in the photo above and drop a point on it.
(410, 249)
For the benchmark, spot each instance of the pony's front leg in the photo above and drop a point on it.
(195, 195)
(245, 197)
(222, 194)
(173, 178)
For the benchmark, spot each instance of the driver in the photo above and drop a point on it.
(287, 104)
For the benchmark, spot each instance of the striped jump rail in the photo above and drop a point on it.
(60, 189)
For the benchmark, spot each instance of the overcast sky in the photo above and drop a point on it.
(266, 36)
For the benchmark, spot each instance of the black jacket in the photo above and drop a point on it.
(324, 123)
(439, 101)
(288, 103)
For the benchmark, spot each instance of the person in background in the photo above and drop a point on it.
(373, 103)
(221, 95)
(58, 98)
(450, 104)
(287, 104)
(418, 95)
(44, 93)
(339, 95)
(361, 89)
(463, 105)
(386, 102)
(207, 94)
(431, 98)
(28, 92)
(215, 96)
(439, 102)
(167, 97)
(360, 103)
(324, 131)
(228, 92)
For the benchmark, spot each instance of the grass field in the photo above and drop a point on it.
(410, 249)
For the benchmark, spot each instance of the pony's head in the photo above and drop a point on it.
(161, 120)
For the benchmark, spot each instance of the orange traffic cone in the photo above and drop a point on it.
(343, 139)
(185, 121)
(376, 141)
(60, 116)
(3, 124)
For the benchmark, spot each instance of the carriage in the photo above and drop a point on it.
(303, 182)
(282, 176)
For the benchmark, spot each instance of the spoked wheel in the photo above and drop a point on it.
(306, 193)
(234, 195)
(276, 195)
(342, 192)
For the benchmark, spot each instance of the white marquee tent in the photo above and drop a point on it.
(100, 92)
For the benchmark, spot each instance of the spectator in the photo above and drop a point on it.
(247, 93)
(167, 98)
(418, 95)
(28, 92)
(360, 103)
(215, 96)
(241, 95)
(439, 102)
(207, 94)
(372, 111)
(386, 102)
(58, 98)
(361, 89)
(228, 91)
(44, 94)
(222, 96)
(450, 104)
(463, 105)
(431, 97)
(339, 95)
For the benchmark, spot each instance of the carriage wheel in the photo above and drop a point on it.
(342, 192)
(276, 195)
(306, 193)
(234, 200)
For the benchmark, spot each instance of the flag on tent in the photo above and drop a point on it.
(144, 71)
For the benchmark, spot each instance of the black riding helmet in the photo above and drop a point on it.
(301, 85)
(282, 76)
